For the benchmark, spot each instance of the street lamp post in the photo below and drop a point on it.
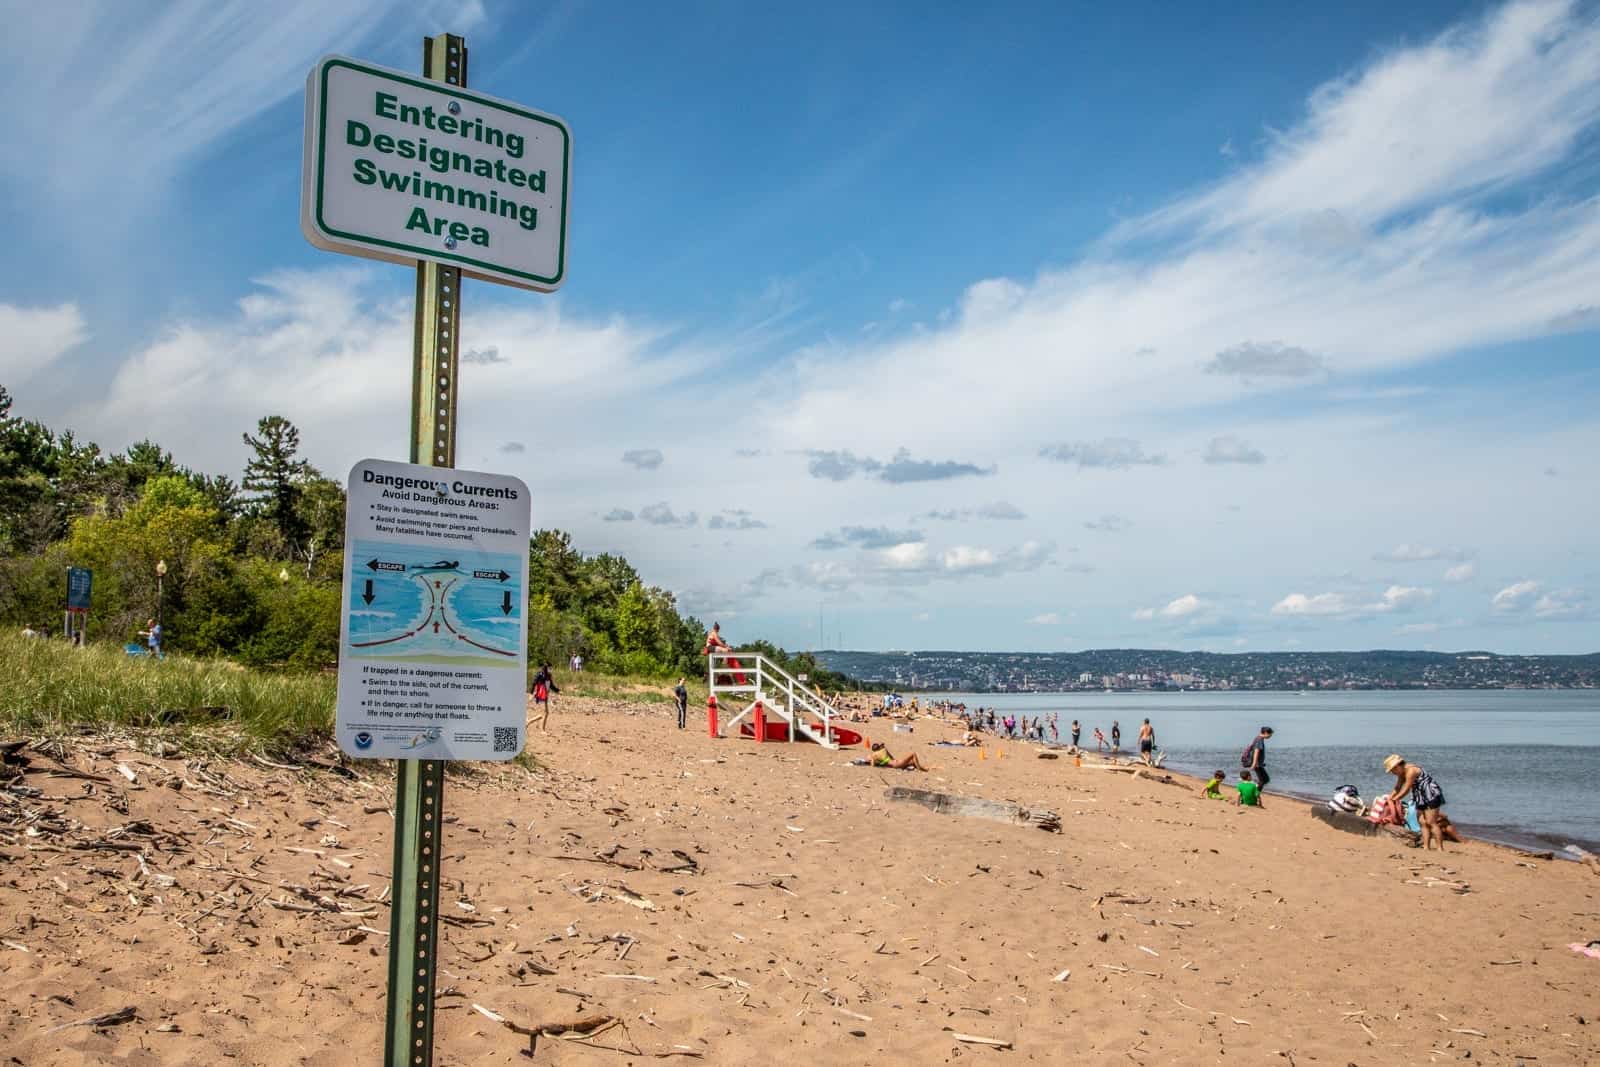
(161, 572)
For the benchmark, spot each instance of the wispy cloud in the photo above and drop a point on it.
(1109, 524)
(31, 339)
(1518, 596)
(1000, 509)
(866, 537)
(662, 515)
(1271, 359)
(1111, 453)
(842, 465)
(1461, 572)
(735, 520)
(618, 515)
(1409, 553)
(645, 459)
(1049, 618)
(1230, 449)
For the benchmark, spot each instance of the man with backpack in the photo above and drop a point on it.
(1254, 758)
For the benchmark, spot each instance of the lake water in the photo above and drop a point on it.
(1520, 766)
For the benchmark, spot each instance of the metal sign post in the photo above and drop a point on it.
(414, 934)
(455, 183)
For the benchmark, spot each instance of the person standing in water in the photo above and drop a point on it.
(1116, 736)
(1147, 741)
(1076, 731)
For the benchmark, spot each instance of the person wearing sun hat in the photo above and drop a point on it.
(1426, 796)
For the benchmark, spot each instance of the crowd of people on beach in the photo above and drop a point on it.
(1416, 801)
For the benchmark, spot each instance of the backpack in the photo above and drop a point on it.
(540, 692)
(1245, 760)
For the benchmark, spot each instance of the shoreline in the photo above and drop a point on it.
(1521, 839)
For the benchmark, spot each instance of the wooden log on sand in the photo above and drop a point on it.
(1343, 820)
(977, 808)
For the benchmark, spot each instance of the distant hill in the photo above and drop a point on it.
(1158, 669)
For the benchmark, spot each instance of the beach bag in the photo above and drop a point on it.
(1384, 812)
(1245, 758)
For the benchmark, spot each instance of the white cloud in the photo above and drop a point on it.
(31, 339)
(1396, 598)
(1398, 154)
(321, 348)
(1461, 572)
(1401, 598)
(1049, 618)
(1516, 597)
(1562, 604)
(1182, 607)
(1320, 604)
(1418, 628)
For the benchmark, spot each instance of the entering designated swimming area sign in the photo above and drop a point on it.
(433, 655)
(404, 168)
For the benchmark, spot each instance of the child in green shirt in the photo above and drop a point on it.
(1249, 794)
(1213, 787)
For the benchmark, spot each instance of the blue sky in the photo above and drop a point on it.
(1017, 328)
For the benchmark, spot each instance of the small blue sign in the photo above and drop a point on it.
(79, 581)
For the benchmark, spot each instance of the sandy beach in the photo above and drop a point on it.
(238, 909)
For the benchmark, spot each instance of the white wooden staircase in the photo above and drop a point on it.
(751, 676)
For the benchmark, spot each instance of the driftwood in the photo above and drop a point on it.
(1348, 822)
(976, 808)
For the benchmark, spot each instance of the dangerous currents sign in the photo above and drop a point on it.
(402, 168)
(433, 656)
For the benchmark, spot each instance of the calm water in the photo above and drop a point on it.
(1516, 765)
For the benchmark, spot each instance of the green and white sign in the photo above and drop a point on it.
(402, 168)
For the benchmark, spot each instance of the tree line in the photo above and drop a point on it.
(253, 568)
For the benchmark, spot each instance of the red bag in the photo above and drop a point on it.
(540, 693)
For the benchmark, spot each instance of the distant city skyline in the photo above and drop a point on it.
(1016, 328)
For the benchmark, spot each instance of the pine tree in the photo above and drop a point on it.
(276, 476)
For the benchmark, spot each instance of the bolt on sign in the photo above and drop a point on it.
(402, 168)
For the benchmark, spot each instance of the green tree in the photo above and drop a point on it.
(275, 474)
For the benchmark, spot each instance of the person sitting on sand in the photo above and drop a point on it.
(1213, 787)
(970, 739)
(882, 758)
(1426, 796)
(1249, 794)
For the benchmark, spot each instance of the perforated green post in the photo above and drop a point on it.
(414, 928)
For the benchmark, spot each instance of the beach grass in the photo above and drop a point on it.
(51, 689)
(624, 687)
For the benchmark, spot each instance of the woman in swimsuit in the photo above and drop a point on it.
(1426, 795)
(881, 758)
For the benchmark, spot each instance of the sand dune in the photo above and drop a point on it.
(820, 923)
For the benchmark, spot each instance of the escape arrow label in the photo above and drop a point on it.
(380, 565)
(493, 576)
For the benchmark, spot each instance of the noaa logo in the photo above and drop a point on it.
(363, 740)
